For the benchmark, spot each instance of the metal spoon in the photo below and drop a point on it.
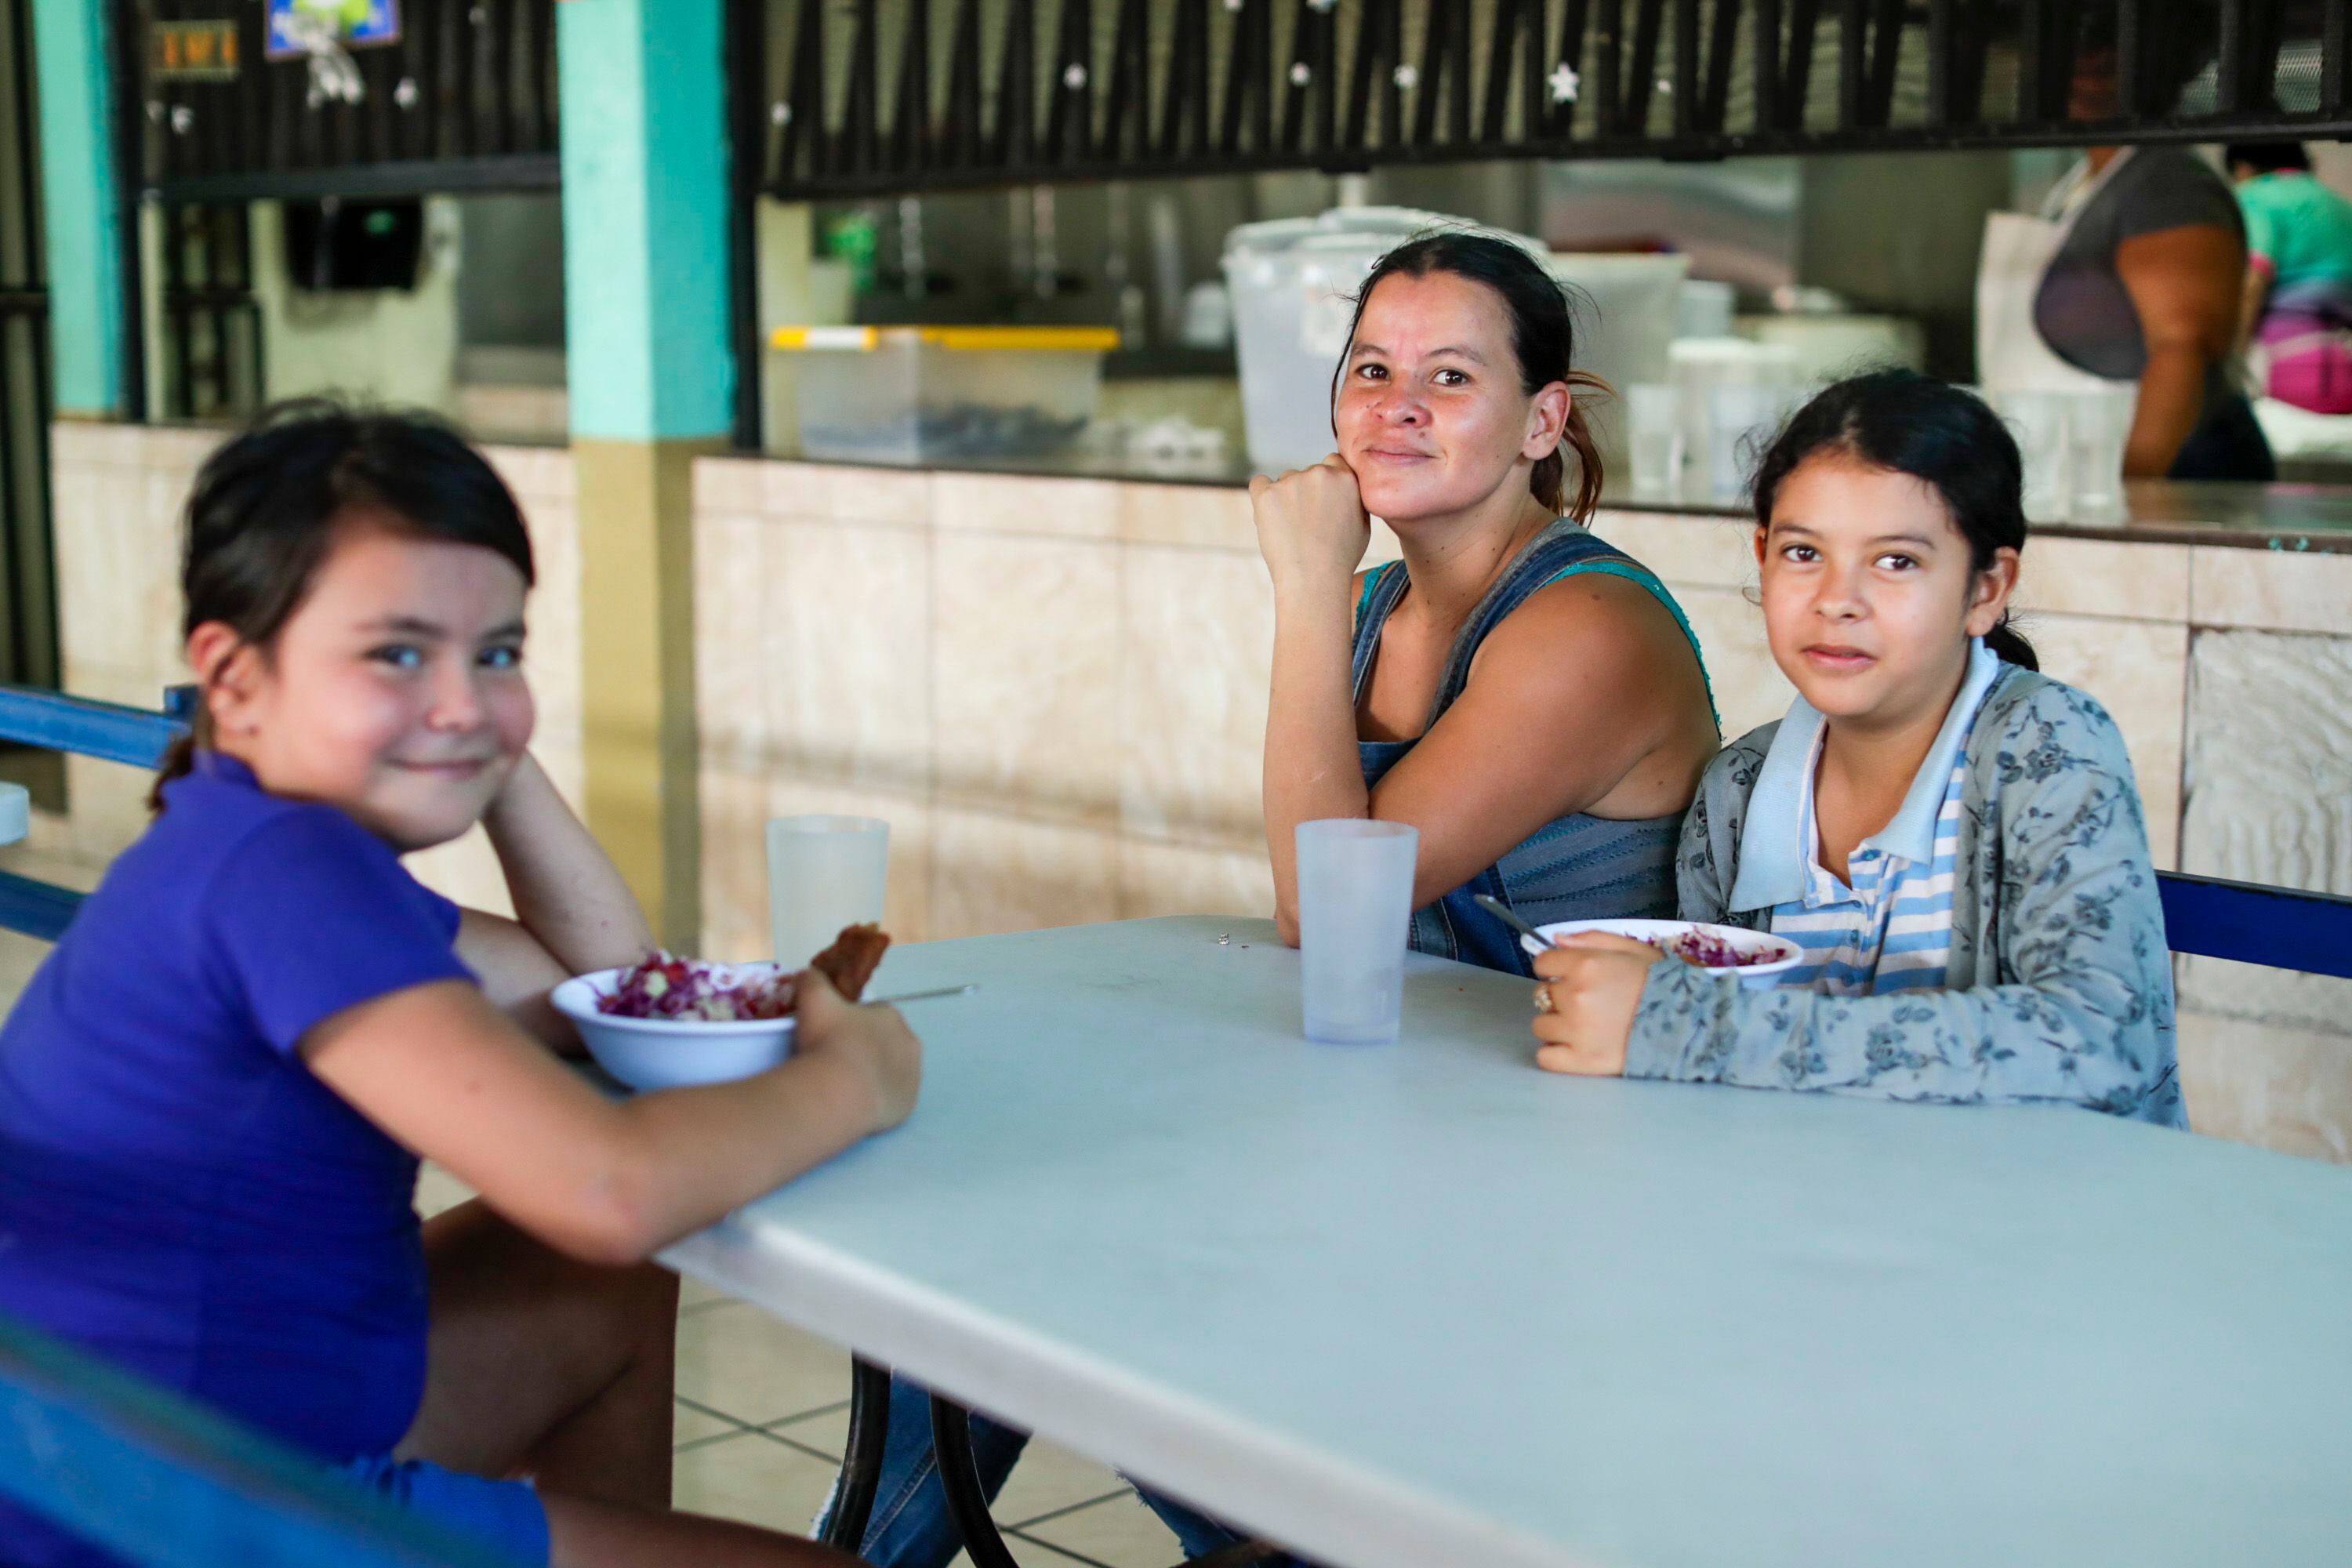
(918, 996)
(1502, 911)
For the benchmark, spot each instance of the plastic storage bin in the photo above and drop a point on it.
(1294, 284)
(1294, 281)
(920, 394)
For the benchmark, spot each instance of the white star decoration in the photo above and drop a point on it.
(1299, 75)
(1565, 83)
(1074, 78)
(1406, 77)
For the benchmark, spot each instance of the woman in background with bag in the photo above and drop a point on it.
(2130, 278)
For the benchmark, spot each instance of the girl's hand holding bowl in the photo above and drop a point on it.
(1588, 989)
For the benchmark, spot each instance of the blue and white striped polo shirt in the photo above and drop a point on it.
(1888, 926)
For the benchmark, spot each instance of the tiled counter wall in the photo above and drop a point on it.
(1054, 691)
(118, 494)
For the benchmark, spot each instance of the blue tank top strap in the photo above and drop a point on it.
(1383, 587)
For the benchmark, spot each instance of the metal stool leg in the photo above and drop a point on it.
(968, 1505)
(861, 1462)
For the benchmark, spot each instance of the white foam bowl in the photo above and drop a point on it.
(671, 1053)
(1775, 953)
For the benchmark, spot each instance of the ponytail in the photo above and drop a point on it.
(1548, 482)
(179, 759)
(2009, 645)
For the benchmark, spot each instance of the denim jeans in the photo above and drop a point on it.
(910, 1526)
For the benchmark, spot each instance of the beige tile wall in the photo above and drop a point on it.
(1053, 689)
(118, 490)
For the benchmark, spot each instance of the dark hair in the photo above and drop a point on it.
(266, 504)
(2267, 157)
(1543, 338)
(1905, 423)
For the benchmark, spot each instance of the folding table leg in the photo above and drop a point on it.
(968, 1504)
(960, 1475)
(861, 1462)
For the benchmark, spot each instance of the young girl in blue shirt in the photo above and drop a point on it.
(1952, 838)
(214, 1093)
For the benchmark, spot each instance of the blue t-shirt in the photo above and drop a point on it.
(177, 1192)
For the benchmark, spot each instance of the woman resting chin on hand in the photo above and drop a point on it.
(1525, 696)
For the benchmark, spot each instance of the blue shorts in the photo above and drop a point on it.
(506, 1516)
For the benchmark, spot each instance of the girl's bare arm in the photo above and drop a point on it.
(572, 912)
(448, 1076)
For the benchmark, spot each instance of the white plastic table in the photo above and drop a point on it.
(1423, 1305)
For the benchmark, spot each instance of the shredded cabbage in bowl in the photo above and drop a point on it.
(692, 990)
(1711, 952)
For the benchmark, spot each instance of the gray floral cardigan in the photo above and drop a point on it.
(2061, 984)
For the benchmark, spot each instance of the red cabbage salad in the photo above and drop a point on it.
(1709, 951)
(690, 990)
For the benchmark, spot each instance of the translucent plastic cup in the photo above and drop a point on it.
(2098, 428)
(1741, 420)
(1654, 436)
(2040, 419)
(1355, 906)
(823, 873)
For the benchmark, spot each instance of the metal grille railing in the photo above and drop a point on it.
(211, 336)
(899, 95)
(465, 100)
(29, 637)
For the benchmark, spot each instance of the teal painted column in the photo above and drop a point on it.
(79, 212)
(652, 376)
(644, 217)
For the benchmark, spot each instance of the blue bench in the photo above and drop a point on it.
(167, 1483)
(132, 736)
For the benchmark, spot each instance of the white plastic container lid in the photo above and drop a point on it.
(982, 340)
(1276, 235)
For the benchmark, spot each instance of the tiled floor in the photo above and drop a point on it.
(762, 1412)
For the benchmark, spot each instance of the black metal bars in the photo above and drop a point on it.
(1054, 89)
(28, 640)
(465, 98)
(210, 323)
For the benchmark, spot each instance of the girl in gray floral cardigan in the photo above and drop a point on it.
(1953, 840)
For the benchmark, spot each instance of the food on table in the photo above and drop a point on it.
(852, 959)
(661, 985)
(1708, 951)
(691, 990)
(1701, 948)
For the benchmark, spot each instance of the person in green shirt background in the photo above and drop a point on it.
(2297, 319)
